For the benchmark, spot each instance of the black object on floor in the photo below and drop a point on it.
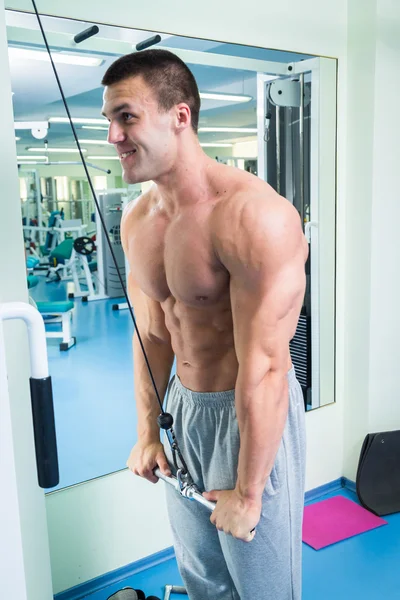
(378, 474)
(127, 594)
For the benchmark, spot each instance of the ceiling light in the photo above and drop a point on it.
(17, 139)
(60, 150)
(103, 157)
(79, 120)
(31, 124)
(228, 129)
(58, 57)
(31, 157)
(225, 97)
(95, 127)
(96, 142)
(216, 145)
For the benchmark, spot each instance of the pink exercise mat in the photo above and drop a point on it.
(336, 519)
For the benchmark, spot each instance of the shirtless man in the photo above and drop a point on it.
(217, 279)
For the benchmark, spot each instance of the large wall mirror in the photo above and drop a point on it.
(268, 112)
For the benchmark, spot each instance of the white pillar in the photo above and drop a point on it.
(24, 548)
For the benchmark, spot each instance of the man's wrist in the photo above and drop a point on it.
(149, 432)
(250, 495)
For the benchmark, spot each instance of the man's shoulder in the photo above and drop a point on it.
(135, 210)
(138, 207)
(251, 202)
(255, 223)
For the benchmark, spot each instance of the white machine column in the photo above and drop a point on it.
(22, 553)
(25, 572)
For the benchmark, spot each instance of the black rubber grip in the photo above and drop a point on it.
(156, 39)
(85, 35)
(45, 432)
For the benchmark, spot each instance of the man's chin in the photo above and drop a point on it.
(131, 178)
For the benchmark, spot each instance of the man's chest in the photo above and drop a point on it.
(177, 258)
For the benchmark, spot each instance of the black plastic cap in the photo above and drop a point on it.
(165, 421)
(85, 35)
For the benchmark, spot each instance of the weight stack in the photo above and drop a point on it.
(300, 351)
(111, 205)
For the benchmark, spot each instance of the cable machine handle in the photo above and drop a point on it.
(41, 391)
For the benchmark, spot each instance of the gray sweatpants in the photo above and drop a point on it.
(213, 565)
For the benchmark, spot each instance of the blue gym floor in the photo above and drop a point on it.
(363, 567)
(93, 388)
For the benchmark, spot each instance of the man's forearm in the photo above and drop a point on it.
(161, 358)
(261, 414)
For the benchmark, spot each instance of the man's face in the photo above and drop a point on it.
(142, 135)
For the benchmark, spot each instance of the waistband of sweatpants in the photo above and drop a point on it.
(212, 398)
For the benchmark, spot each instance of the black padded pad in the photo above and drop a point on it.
(124, 594)
(378, 474)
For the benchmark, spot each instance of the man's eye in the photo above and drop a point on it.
(127, 116)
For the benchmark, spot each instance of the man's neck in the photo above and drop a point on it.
(189, 182)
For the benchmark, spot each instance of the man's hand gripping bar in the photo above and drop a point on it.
(188, 491)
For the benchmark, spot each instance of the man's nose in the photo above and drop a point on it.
(116, 133)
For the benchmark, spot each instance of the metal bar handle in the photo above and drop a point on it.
(191, 493)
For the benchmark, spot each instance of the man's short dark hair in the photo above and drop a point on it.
(165, 73)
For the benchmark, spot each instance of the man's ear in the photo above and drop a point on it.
(183, 116)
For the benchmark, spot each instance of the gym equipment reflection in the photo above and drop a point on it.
(57, 209)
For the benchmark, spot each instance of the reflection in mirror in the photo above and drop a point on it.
(256, 115)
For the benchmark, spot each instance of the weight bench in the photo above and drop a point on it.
(32, 281)
(59, 312)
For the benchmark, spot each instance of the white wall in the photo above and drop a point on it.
(306, 28)
(372, 377)
(246, 149)
(357, 221)
(384, 357)
(110, 522)
(80, 545)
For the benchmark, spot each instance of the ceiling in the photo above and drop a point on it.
(217, 67)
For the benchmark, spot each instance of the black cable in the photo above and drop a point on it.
(97, 205)
(164, 420)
